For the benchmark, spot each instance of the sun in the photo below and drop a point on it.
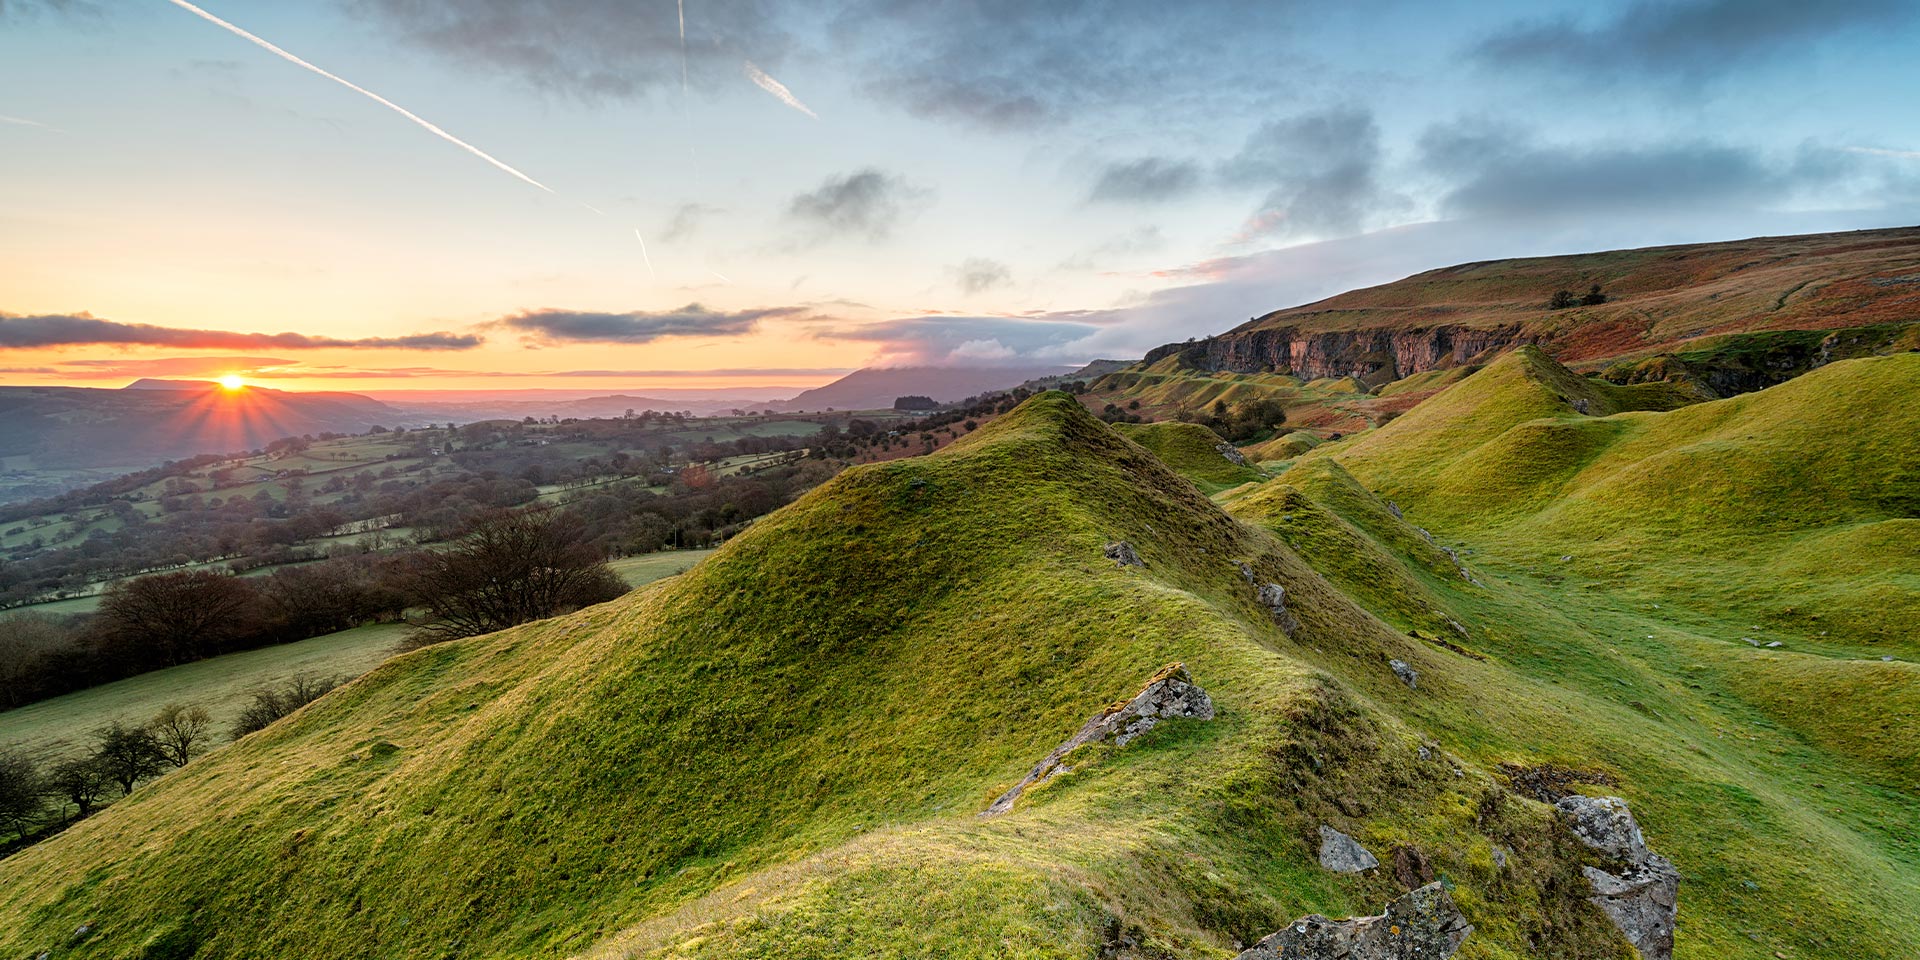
(232, 381)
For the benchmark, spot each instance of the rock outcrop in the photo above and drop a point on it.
(1423, 925)
(1122, 553)
(1343, 854)
(1641, 891)
(1232, 453)
(1378, 355)
(1169, 693)
(1274, 597)
(1407, 674)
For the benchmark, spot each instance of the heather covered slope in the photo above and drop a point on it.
(784, 751)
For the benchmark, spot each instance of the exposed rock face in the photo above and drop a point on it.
(1169, 693)
(1642, 894)
(1343, 854)
(1122, 553)
(1410, 867)
(1375, 356)
(1423, 925)
(1274, 597)
(1232, 453)
(1407, 674)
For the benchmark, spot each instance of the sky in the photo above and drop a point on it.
(512, 194)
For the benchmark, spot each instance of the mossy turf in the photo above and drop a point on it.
(783, 751)
(1193, 451)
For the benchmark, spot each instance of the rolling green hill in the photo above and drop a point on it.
(786, 750)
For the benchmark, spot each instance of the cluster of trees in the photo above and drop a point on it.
(1247, 420)
(35, 801)
(162, 620)
(1563, 299)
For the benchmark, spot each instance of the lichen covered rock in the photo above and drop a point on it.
(1641, 891)
(1423, 925)
(1343, 854)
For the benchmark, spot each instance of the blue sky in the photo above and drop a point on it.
(992, 182)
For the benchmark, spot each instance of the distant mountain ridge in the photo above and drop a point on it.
(875, 388)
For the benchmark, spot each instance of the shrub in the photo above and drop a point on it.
(272, 703)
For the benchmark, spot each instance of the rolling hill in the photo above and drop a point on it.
(875, 388)
(787, 751)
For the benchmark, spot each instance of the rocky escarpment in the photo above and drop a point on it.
(1378, 355)
(1639, 891)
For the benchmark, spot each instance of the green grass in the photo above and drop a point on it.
(647, 567)
(782, 751)
(61, 726)
(1193, 451)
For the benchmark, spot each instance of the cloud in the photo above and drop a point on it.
(58, 330)
(686, 221)
(590, 49)
(27, 8)
(408, 373)
(1323, 173)
(1498, 171)
(1145, 180)
(965, 341)
(1025, 64)
(552, 326)
(978, 274)
(868, 203)
(1690, 40)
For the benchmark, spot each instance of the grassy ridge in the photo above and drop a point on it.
(782, 751)
(1193, 451)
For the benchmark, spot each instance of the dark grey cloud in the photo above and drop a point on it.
(1145, 180)
(1021, 64)
(59, 330)
(592, 49)
(1498, 171)
(1690, 40)
(867, 203)
(1322, 171)
(692, 320)
(978, 275)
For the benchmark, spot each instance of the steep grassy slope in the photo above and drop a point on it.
(1193, 451)
(783, 751)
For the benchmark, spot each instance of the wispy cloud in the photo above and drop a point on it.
(867, 203)
(19, 332)
(1881, 152)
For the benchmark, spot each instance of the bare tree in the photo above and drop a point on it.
(127, 755)
(81, 781)
(272, 703)
(20, 791)
(179, 616)
(510, 568)
(180, 731)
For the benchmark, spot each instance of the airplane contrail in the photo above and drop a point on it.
(643, 254)
(363, 91)
(722, 276)
(1879, 152)
(770, 85)
(24, 122)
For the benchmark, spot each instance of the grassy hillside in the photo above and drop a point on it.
(1193, 451)
(783, 752)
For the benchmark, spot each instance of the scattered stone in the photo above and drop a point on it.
(1428, 750)
(1246, 572)
(1422, 925)
(1122, 553)
(1566, 558)
(1394, 509)
(1169, 693)
(1410, 867)
(1500, 855)
(1232, 453)
(1886, 659)
(1407, 674)
(1343, 854)
(1642, 894)
(1751, 642)
(1274, 597)
(1773, 644)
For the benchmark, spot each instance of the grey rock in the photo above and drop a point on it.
(1606, 825)
(1500, 855)
(1122, 553)
(1641, 893)
(1407, 674)
(1394, 509)
(1751, 642)
(1274, 597)
(1232, 453)
(1343, 854)
(1423, 925)
(1169, 693)
(1774, 644)
(1246, 572)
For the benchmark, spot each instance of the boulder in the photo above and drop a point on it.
(1423, 925)
(1640, 892)
(1410, 867)
(1232, 453)
(1407, 674)
(1168, 693)
(1274, 597)
(1343, 854)
(1122, 553)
